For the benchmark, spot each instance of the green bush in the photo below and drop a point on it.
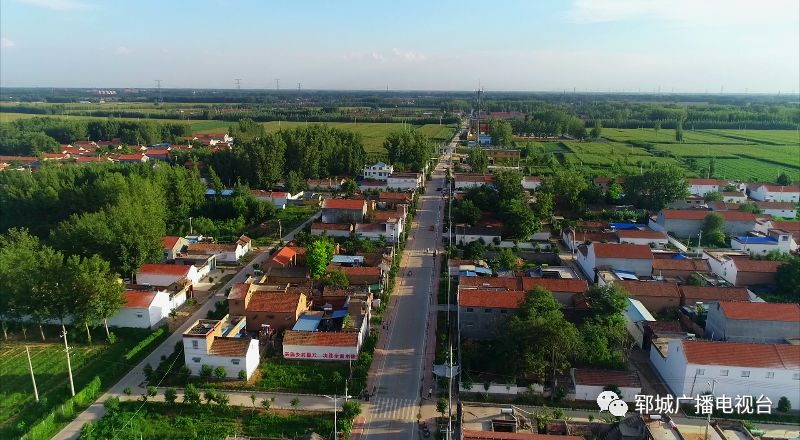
(46, 428)
(144, 343)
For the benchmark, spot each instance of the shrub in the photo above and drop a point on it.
(112, 404)
(170, 395)
(242, 375)
(148, 371)
(206, 371)
(220, 373)
(128, 391)
(784, 405)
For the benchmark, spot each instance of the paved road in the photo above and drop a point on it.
(135, 378)
(401, 362)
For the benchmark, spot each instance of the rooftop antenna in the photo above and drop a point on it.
(238, 82)
(277, 83)
(158, 85)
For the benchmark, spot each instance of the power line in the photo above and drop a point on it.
(277, 83)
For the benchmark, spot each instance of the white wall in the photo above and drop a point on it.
(129, 317)
(645, 241)
(761, 194)
(470, 238)
(319, 353)
(196, 358)
(590, 392)
(640, 267)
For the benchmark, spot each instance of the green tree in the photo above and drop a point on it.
(295, 182)
(507, 260)
(509, 185)
(337, 278)
(351, 409)
(442, 405)
(408, 150)
(749, 207)
(318, 256)
(597, 130)
(206, 371)
(713, 196)
(215, 181)
(518, 219)
(466, 212)
(712, 167)
(543, 206)
(220, 373)
(607, 301)
(713, 225)
(349, 187)
(96, 288)
(679, 130)
(567, 186)
(656, 188)
(501, 133)
(295, 403)
(170, 395)
(657, 127)
(614, 193)
(787, 279)
(265, 403)
(784, 179)
(478, 160)
(784, 404)
(191, 395)
(474, 250)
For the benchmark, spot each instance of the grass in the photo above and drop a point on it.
(196, 126)
(278, 374)
(18, 408)
(749, 169)
(156, 420)
(373, 133)
(776, 137)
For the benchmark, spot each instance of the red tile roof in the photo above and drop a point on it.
(268, 194)
(394, 197)
(284, 256)
(581, 237)
(344, 204)
(239, 291)
(494, 435)
(555, 284)
(276, 302)
(21, 159)
(491, 299)
(361, 271)
(201, 248)
(776, 205)
(781, 189)
(624, 250)
(701, 214)
(688, 264)
(169, 241)
(649, 288)
(635, 233)
(137, 299)
(157, 152)
(664, 326)
(165, 269)
(503, 283)
(604, 378)
(324, 339)
(761, 266)
(706, 182)
(761, 311)
(230, 347)
(715, 293)
(479, 178)
(740, 354)
(792, 226)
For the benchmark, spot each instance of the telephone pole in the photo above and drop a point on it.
(69, 363)
(298, 86)
(158, 85)
(238, 82)
(277, 83)
(33, 378)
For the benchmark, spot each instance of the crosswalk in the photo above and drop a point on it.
(389, 408)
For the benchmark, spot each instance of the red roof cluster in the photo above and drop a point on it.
(324, 339)
(760, 266)
(649, 288)
(491, 299)
(169, 241)
(276, 302)
(344, 204)
(761, 311)
(701, 214)
(137, 299)
(714, 293)
(741, 354)
(284, 256)
(623, 250)
(165, 269)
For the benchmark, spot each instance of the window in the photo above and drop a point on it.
(470, 309)
(503, 311)
(746, 373)
(796, 376)
(196, 360)
(139, 315)
(724, 372)
(701, 371)
(235, 361)
(487, 310)
(194, 345)
(770, 375)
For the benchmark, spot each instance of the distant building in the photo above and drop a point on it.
(775, 193)
(634, 258)
(590, 383)
(656, 296)
(689, 222)
(462, 181)
(332, 229)
(739, 269)
(753, 322)
(405, 181)
(166, 274)
(467, 234)
(531, 183)
(343, 211)
(173, 246)
(701, 187)
(378, 171)
(756, 244)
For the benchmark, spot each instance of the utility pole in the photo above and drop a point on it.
(238, 82)
(298, 86)
(277, 83)
(158, 85)
(280, 230)
(33, 378)
(190, 226)
(69, 363)
(713, 383)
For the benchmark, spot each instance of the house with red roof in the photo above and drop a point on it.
(753, 322)
(689, 222)
(775, 193)
(739, 269)
(464, 181)
(656, 296)
(221, 343)
(343, 210)
(332, 229)
(634, 258)
(691, 367)
(701, 187)
(166, 274)
(708, 295)
(647, 237)
(265, 306)
(173, 246)
(279, 199)
(144, 307)
(678, 266)
(531, 183)
(483, 312)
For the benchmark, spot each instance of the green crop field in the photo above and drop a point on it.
(438, 133)
(196, 126)
(776, 137)
(750, 169)
(666, 136)
(605, 149)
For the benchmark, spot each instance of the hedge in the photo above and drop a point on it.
(48, 427)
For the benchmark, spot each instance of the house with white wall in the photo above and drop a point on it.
(143, 308)
(405, 181)
(775, 193)
(173, 246)
(739, 269)
(691, 367)
(589, 383)
(467, 234)
(759, 322)
(332, 229)
(220, 343)
(378, 171)
(635, 258)
(646, 237)
(758, 244)
(778, 209)
(733, 197)
(531, 183)
(166, 274)
(464, 181)
(701, 187)
(224, 252)
(278, 199)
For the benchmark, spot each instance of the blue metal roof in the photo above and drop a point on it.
(636, 311)
(467, 273)
(306, 323)
(627, 226)
(224, 192)
(483, 270)
(339, 314)
(347, 259)
(756, 240)
(679, 256)
(625, 275)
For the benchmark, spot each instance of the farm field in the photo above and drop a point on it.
(438, 133)
(750, 169)
(777, 137)
(666, 136)
(196, 126)
(17, 404)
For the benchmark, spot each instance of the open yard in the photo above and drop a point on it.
(18, 408)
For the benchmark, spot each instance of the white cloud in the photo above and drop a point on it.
(378, 56)
(6, 43)
(122, 50)
(708, 13)
(410, 56)
(57, 5)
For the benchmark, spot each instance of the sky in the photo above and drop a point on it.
(694, 46)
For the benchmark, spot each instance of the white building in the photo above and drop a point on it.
(145, 308)
(775, 193)
(733, 197)
(332, 229)
(737, 268)
(173, 246)
(405, 181)
(778, 209)
(690, 367)
(463, 181)
(531, 183)
(378, 171)
(646, 237)
(279, 199)
(590, 383)
(389, 229)
(635, 258)
(774, 240)
(220, 343)
(321, 346)
(225, 252)
(166, 274)
(635, 314)
(468, 234)
(701, 187)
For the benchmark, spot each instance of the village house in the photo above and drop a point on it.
(321, 346)
(701, 187)
(753, 322)
(128, 158)
(166, 274)
(634, 258)
(654, 239)
(758, 244)
(657, 296)
(791, 226)
(678, 266)
(735, 197)
(329, 184)
(173, 246)
(573, 238)
(636, 316)
(467, 234)
(464, 181)
(343, 211)
(484, 311)
(220, 343)
(278, 199)
(689, 222)
(689, 367)
(691, 296)
(778, 209)
(498, 156)
(391, 230)
(563, 289)
(774, 193)
(263, 305)
(405, 181)
(378, 171)
(361, 275)
(531, 183)
(224, 252)
(739, 269)
(391, 199)
(146, 307)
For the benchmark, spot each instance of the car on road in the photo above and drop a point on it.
(432, 228)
